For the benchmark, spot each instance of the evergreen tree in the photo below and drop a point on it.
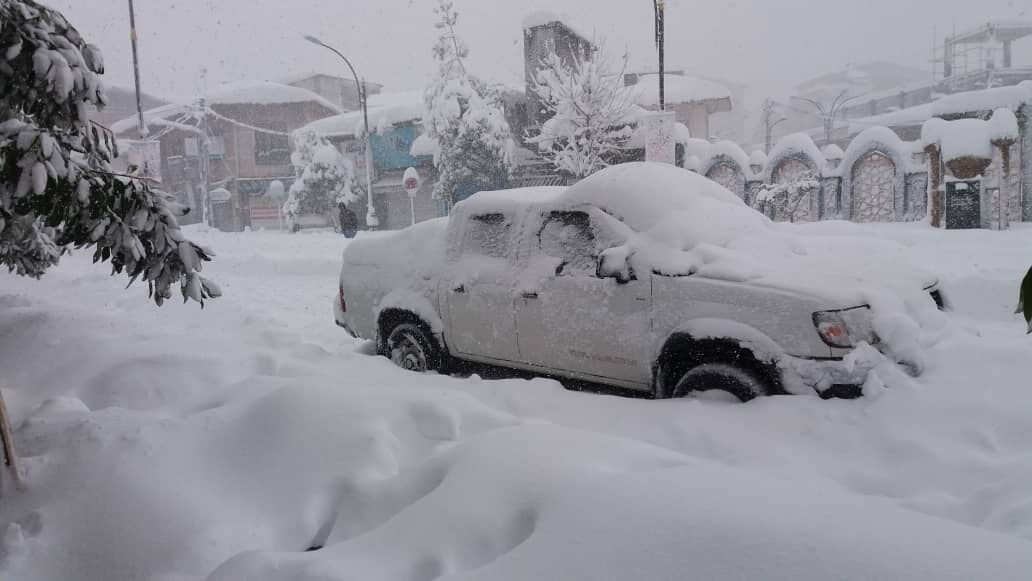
(588, 109)
(464, 117)
(325, 179)
(57, 190)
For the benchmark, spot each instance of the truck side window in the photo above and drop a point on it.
(489, 235)
(569, 236)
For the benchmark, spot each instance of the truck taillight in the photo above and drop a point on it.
(340, 295)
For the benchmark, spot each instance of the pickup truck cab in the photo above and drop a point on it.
(642, 276)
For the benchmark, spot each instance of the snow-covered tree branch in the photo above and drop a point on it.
(588, 108)
(325, 177)
(464, 116)
(790, 201)
(56, 187)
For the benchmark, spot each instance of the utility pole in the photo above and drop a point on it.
(658, 7)
(136, 70)
(203, 146)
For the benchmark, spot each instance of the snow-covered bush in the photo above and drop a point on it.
(588, 107)
(325, 178)
(789, 201)
(56, 186)
(464, 116)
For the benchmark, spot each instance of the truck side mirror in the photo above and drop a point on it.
(615, 263)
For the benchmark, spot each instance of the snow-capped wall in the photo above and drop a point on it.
(797, 146)
(862, 187)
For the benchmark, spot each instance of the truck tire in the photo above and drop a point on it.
(692, 367)
(410, 346)
(737, 381)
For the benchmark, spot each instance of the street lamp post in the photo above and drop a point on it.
(660, 31)
(371, 220)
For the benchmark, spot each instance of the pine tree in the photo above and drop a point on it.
(464, 116)
(57, 190)
(588, 109)
(325, 179)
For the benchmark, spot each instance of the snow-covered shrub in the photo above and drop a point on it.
(588, 107)
(325, 178)
(464, 116)
(56, 186)
(789, 201)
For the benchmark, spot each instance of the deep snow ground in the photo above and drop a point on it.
(177, 444)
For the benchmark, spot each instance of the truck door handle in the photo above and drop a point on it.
(459, 289)
(529, 295)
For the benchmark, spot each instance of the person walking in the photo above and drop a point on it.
(348, 220)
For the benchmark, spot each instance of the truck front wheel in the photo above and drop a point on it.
(707, 367)
(720, 377)
(411, 347)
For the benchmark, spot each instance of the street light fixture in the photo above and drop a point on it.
(371, 220)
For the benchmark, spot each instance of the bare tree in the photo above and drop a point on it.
(828, 112)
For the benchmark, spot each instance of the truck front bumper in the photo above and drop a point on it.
(835, 377)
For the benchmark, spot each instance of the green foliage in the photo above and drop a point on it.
(56, 187)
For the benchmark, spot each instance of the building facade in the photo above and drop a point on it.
(244, 128)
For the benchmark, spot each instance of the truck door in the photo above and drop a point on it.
(478, 289)
(574, 321)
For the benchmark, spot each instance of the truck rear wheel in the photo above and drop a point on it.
(411, 347)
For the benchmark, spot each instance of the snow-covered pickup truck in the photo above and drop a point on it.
(642, 276)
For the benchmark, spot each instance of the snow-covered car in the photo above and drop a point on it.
(642, 276)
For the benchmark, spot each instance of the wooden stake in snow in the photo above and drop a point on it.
(10, 458)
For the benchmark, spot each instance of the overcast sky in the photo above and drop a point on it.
(767, 44)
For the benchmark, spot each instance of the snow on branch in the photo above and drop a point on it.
(589, 110)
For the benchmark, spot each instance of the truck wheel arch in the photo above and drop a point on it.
(706, 340)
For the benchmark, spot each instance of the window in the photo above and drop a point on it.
(489, 235)
(570, 237)
(272, 149)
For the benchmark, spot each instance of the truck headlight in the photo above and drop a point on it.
(846, 328)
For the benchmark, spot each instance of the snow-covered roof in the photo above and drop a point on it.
(1011, 97)
(643, 194)
(238, 93)
(385, 110)
(264, 93)
(544, 17)
(678, 89)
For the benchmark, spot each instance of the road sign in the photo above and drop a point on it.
(411, 182)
